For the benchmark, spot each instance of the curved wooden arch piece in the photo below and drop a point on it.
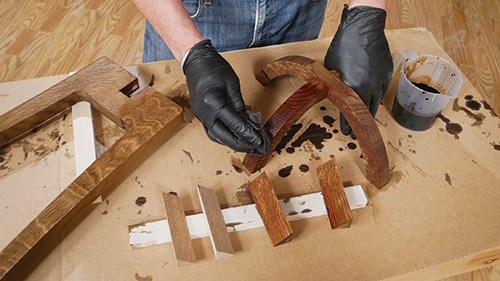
(322, 84)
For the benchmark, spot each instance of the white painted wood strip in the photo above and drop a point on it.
(243, 217)
(84, 138)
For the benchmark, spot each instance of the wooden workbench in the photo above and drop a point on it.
(439, 215)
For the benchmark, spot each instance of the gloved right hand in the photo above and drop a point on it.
(216, 101)
(360, 52)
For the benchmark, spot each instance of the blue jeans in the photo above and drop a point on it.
(239, 24)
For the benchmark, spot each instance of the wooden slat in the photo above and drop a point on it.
(334, 196)
(181, 241)
(218, 231)
(277, 226)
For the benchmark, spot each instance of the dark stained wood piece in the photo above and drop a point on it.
(321, 84)
(103, 83)
(179, 231)
(277, 226)
(337, 206)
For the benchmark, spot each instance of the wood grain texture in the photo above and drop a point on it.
(72, 34)
(181, 240)
(337, 206)
(275, 222)
(89, 84)
(322, 83)
(218, 231)
(485, 265)
(146, 125)
(42, 38)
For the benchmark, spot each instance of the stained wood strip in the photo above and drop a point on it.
(242, 217)
(181, 241)
(218, 231)
(320, 80)
(337, 206)
(100, 83)
(277, 226)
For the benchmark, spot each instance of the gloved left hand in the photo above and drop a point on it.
(216, 101)
(360, 52)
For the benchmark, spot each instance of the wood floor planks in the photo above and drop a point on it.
(72, 34)
(467, 30)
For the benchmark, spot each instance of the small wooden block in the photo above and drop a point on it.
(334, 196)
(218, 230)
(181, 240)
(277, 226)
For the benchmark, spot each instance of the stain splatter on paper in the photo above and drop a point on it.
(188, 155)
(285, 172)
(328, 120)
(140, 201)
(451, 128)
(351, 146)
(447, 178)
(304, 168)
(288, 137)
(496, 146)
(477, 117)
(316, 134)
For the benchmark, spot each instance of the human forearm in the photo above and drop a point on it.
(173, 24)
(382, 4)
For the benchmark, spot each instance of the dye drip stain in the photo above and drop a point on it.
(304, 168)
(452, 128)
(285, 172)
(288, 137)
(472, 104)
(328, 120)
(351, 145)
(477, 117)
(315, 134)
(140, 201)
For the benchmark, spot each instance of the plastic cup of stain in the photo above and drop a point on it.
(426, 86)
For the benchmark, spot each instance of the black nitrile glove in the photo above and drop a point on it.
(216, 101)
(359, 51)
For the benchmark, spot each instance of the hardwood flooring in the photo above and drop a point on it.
(49, 37)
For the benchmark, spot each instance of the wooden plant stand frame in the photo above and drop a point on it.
(148, 117)
(322, 84)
